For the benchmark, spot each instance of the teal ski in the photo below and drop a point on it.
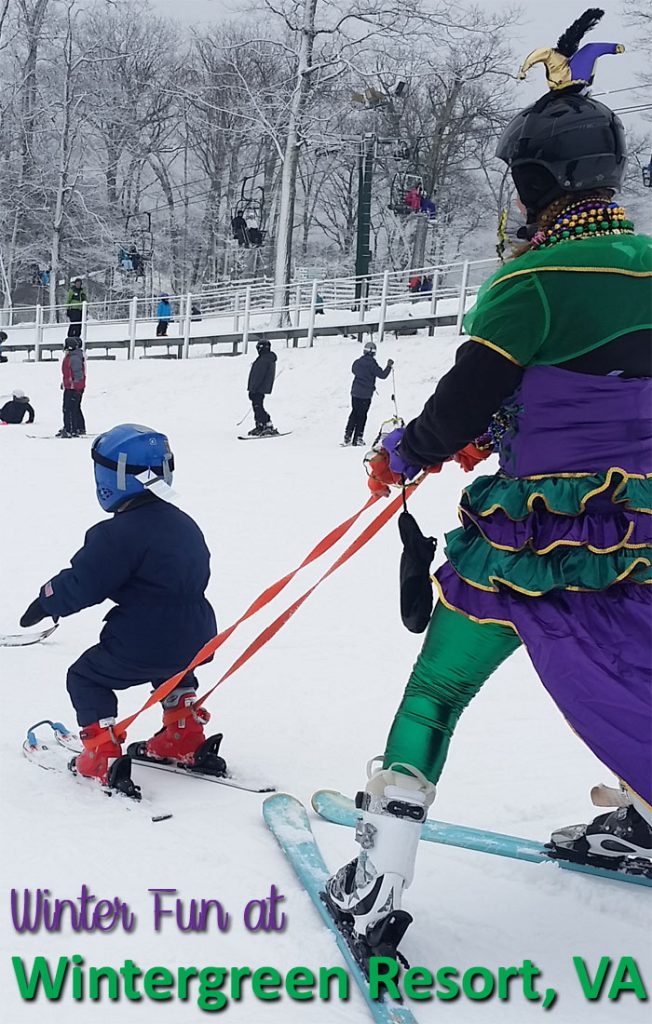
(287, 820)
(340, 809)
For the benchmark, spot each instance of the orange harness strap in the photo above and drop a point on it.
(261, 601)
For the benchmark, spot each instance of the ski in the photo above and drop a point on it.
(341, 810)
(248, 785)
(73, 744)
(56, 437)
(262, 437)
(287, 820)
(56, 757)
(27, 639)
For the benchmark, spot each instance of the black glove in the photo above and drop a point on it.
(390, 362)
(34, 614)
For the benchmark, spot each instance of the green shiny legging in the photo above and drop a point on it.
(457, 657)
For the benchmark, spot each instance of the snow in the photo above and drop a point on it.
(308, 711)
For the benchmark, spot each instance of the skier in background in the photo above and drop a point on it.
(164, 314)
(260, 384)
(151, 560)
(239, 229)
(366, 372)
(554, 550)
(3, 338)
(15, 410)
(75, 301)
(73, 385)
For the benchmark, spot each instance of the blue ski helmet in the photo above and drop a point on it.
(121, 454)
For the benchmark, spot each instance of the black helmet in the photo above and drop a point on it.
(564, 143)
(72, 343)
(263, 345)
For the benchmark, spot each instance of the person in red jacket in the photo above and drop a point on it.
(73, 369)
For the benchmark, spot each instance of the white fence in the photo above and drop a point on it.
(232, 313)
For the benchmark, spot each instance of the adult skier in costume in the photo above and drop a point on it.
(555, 549)
(151, 559)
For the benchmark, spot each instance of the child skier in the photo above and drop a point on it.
(366, 372)
(259, 384)
(15, 410)
(555, 548)
(151, 560)
(73, 371)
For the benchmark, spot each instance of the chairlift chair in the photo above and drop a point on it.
(251, 206)
(402, 150)
(402, 183)
(137, 251)
(647, 174)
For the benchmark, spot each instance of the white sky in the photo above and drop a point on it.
(542, 21)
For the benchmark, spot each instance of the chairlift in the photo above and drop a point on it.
(647, 174)
(402, 150)
(251, 207)
(135, 253)
(403, 184)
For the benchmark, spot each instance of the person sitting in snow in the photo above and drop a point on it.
(15, 410)
(151, 560)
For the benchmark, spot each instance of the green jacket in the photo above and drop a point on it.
(554, 304)
(76, 298)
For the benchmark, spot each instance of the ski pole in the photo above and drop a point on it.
(249, 411)
(394, 395)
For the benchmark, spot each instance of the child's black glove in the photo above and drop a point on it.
(34, 614)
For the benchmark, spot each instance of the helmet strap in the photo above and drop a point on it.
(121, 472)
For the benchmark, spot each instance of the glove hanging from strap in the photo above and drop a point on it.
(414, 574)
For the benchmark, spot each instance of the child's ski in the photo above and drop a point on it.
(287, 820)
(26, 639)
(73, 744)
(248, 785)
(56, 757)
(341, 810)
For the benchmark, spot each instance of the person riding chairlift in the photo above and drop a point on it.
(239, 229)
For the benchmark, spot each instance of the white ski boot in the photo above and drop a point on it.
(365, 895)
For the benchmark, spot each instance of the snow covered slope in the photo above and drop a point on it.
(308, 711)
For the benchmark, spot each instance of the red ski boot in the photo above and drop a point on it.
(182, 733)
(105, 762)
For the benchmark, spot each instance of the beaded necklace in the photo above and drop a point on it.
(584, 219)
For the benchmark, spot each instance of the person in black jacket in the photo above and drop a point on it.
(151, 560)
(366, 372)
(260, 383)
(14, 411)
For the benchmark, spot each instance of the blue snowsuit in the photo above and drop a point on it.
(151, 559)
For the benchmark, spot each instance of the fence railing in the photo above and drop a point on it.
(239, 310)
